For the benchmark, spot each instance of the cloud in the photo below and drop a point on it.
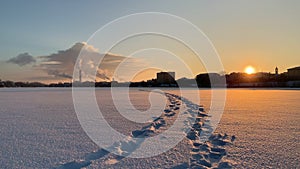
(22, 59)
(56, 73)
(103, 74)
(51, 63)
(60, 65)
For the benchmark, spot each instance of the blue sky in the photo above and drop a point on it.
(264, 33)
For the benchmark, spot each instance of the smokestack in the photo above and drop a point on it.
(80, 75)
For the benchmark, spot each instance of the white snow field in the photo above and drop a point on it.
(259, 129)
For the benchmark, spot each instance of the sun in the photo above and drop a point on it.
(249, 70)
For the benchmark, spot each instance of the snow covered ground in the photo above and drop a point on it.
(39, 129)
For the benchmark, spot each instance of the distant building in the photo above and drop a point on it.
(114, 83)
(276, 70)
(294, 73)
(263, 77)
(1, 84)
(165, 77)
(185, 82)
(210, 80)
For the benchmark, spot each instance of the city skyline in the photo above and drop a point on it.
(249, 78)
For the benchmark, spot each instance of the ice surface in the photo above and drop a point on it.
(39, 129)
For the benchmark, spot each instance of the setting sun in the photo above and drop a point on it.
(249, 70)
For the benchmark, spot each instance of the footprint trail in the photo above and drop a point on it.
(203, 154)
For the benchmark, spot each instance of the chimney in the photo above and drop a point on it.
(80, 75)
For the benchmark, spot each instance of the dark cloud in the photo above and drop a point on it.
(22, 59)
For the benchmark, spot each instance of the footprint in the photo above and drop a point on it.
(170, 114)
(75, 165)
(96, 154)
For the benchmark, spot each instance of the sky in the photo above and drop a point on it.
(38, 36)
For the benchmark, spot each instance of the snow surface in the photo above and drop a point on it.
(39, 129)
